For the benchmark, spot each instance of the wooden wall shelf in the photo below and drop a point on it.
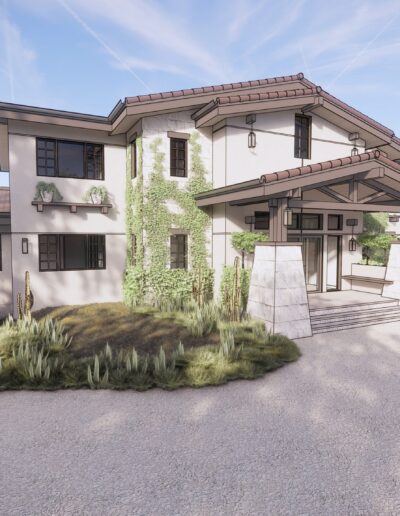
(73, 206)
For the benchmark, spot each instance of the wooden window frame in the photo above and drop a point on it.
(133, 159)
(298, 221)
(260, 215)
(298, 139)
(86, 145)
(173, 157)
(339, 219)
(179, 262)
(99, 243)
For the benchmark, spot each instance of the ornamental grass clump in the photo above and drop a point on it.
(204, 319)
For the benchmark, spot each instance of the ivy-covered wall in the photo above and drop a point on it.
(150, 219)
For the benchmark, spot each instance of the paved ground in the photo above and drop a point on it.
(321, 436)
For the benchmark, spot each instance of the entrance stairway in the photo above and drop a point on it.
(334, 318)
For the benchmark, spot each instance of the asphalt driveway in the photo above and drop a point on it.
(320, 436)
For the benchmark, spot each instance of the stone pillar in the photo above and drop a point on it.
(393, 272)
(278, 294)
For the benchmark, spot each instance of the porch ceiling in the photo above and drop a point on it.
(367, 182)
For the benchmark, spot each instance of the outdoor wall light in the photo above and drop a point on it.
(354, 151)
(287, 217)
(25, 246)
(252, 140)
(352, 244)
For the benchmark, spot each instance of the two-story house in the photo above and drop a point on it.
(184, 170)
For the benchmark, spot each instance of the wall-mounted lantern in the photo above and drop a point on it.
(251, 139)
(287, 217)
(354, 151)
(352, 244)
(252, 142)
(25, 246)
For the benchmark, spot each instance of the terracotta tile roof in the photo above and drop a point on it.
(4, 200)
(254, 97)
(213, 89)
(327, 165)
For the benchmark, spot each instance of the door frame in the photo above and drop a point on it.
(339, 250)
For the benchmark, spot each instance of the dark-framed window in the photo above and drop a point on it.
(71, 252)
(302, 137)
(133, 159)
(178, 157)
(335, 222)
(261, 220)
(178, 245)
(307, 221)
(62, 158)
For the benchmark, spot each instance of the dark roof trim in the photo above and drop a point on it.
(327, 165)
(213, 89)
(255, 97)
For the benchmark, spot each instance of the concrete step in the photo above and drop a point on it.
(358, 314)
(322, 311)
(354, 324)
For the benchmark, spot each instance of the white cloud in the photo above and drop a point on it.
(154, 23)
(242, 14)
(18, 63)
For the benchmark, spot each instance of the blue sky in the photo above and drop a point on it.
(84, 55)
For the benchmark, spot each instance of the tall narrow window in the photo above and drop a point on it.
(46, 157)
(302, 137)
(178, 251)
(178, 157)
(133, 160)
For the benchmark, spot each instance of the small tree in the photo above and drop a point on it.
(373, 243)
(375, 223)
(245, 241)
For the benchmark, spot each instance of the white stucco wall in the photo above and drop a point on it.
(158, 127)
(234, 162)
(5, 276)
(66, 287)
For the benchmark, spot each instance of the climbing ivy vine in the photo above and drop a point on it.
(134, 281)
(149, 276)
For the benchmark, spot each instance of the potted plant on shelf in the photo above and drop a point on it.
(47, 192)
(97, 195)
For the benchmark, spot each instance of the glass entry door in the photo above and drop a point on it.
(312, 260)
(333, 262)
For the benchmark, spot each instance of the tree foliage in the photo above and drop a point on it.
(246, 240)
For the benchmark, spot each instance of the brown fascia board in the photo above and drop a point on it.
(266, 101)
(372, 164)
(53, 116)
(213, 90)
(180, 102)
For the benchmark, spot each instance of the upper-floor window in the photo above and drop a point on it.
(178, 246)
(302, 137)
(60, 158)
(178, 160)
(71, 252)
(133, 159)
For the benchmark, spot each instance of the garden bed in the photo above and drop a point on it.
(110, 346)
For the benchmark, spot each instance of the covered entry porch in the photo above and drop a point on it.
(306, 250)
